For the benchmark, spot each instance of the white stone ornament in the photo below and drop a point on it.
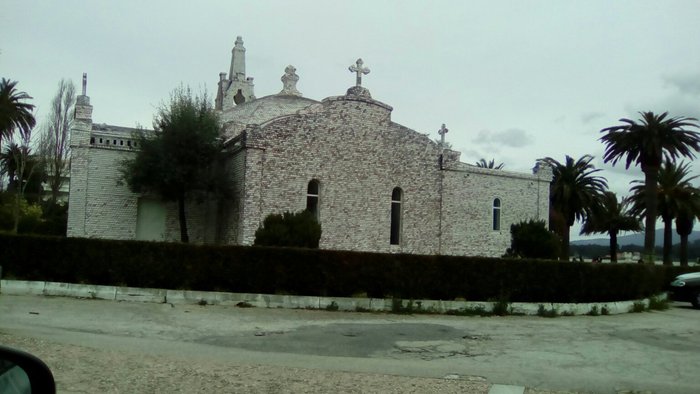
(289, 82)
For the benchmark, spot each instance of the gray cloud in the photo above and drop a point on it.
(591, 116)
(513, 138)
(685, 83)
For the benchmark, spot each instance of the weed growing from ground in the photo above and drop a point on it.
(604, 311)
(478, 310)
(638, 307)
(544, 312)
(568, 313)
(658, 303)
(501, 307)
(332, 307)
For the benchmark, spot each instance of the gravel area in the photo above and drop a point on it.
(79, 369)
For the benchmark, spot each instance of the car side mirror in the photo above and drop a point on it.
(23, 373)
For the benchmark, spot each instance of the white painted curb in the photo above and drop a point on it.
(134, 294)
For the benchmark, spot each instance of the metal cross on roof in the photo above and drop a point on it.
(359, 70)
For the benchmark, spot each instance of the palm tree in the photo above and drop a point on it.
(482, 163)
(574, 192)
(647, 142)
(611, 217)
(688, 211)
(672, 184)
(13, 112)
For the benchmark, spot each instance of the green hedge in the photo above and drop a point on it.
(323, 272)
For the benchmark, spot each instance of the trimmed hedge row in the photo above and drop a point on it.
(323, 272)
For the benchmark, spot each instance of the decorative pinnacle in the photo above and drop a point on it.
(84, 84)
(359, 70)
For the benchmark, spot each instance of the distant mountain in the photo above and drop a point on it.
(637, 239)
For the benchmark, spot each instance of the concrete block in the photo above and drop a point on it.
(140, 295)
(21, 287)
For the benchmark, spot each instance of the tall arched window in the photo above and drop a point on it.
(312, 199)
(396, 195)
(496, 214)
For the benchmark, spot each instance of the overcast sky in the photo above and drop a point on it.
(512, 80)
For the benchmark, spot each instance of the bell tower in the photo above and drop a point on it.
(237, 88)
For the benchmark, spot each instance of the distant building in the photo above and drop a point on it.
(373, 184)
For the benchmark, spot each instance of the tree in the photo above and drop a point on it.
(16, 161)
(688, 211)
(14, 113)
(647, 142)
(179, 158)
(289, 229)
(482, 163)
(54, 144)
(611, 217)
(574, 192)
(531, 239)
(672, 184)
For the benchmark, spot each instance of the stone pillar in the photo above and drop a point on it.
(80, 147)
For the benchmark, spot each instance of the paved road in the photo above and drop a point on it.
(658, 351)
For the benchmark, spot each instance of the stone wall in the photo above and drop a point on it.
(468, 208)
(358, 156)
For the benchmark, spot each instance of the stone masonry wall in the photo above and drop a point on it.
(358, 156)
(468, 208)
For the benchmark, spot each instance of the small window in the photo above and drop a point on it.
(100, 140)
(395, 237)
(496, 214)
(115, 142)
(121, 142)
(128, 143)
(92, 140)
(312, 199)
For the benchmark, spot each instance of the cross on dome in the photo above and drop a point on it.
(443, 130)
(359, 70)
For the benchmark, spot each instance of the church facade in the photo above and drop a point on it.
(373, 184)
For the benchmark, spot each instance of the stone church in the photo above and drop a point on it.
(374, 185)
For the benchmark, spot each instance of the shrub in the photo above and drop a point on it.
(289, 229)
(531, 239)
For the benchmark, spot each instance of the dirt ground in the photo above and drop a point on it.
(79, 369)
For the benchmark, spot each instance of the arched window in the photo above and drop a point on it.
(496, 214)
(396, 195)
(312, 199)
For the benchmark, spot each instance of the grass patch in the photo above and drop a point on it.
(332, 307)
(604, 310)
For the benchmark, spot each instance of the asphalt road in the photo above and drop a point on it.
(653, 351)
